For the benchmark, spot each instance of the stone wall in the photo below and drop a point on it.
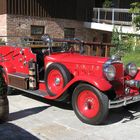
(21, 26)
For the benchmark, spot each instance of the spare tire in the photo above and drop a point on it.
(56, 78)
(3, 84)
(4, 104)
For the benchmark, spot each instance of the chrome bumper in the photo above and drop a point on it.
(124, 101)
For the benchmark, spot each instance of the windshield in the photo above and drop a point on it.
(67, 46)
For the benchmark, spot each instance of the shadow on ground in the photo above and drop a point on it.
(25, 113)
(58, 104)
(124, 114)
(10, 131)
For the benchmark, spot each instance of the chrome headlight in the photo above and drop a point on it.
(109, 72)
(131, 69)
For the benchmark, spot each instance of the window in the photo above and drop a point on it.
(37, 30)
(69, 32)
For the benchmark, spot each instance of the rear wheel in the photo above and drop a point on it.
(9, 89)
(3, 83)
(89, 104)
(4, 104)
(57, 76)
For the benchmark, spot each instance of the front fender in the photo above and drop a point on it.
(137, 77)
(99, 83)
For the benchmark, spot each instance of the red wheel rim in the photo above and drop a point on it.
(88, 104)
(55, 81)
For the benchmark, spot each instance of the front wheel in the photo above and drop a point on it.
(89, 104)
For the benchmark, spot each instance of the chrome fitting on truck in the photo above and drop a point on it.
(123, 101)
(133, 83)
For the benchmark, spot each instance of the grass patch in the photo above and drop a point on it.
(132, 57)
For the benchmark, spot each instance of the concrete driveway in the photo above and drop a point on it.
(35, 119)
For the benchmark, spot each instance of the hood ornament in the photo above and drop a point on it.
(117, 56)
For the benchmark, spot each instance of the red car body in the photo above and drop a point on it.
(86, 79)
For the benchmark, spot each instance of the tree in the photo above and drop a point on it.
(135, 10)
(116, 41)
(123, 43)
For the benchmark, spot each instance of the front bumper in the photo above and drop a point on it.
(124, 101)
(127, 99)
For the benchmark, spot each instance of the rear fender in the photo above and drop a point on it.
(8, 68)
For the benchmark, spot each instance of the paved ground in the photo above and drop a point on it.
(31, 119)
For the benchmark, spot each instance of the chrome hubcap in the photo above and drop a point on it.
(89, 104)
(57, 81)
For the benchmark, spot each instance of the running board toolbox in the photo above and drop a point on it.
(18, 80)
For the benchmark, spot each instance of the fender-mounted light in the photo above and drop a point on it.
(131, 69)
(109, 72)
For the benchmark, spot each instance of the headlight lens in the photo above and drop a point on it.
(131, 69)
(110, 72)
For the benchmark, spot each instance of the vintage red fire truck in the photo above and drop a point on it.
(92, 84)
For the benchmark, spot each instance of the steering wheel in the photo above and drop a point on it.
(64, 47)
(81, 45)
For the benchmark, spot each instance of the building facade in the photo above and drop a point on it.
(63, 18)
(60, 18)
(117, 15)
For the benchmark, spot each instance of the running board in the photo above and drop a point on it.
(39, 93)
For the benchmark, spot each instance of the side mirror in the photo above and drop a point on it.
(47, 39)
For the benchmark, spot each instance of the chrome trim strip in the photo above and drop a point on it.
(123, 102)
(18, 75)
(111, 61)
(41, 81)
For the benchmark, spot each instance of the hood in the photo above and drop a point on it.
(77, 58)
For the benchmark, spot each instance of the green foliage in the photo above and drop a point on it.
(116, 41)
(124, 43)
(135, 10)
(132, 57)
(128, 44)
(107, 4)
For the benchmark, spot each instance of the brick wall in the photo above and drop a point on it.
(21, 26)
